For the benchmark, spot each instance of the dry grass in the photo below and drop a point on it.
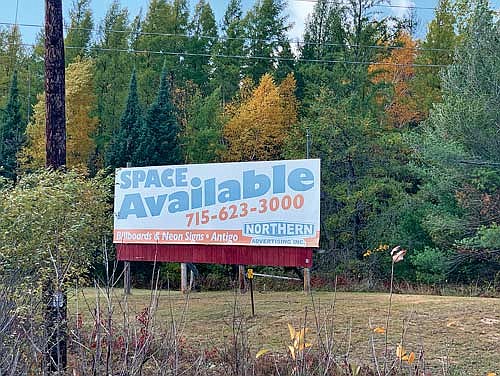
(463, 333)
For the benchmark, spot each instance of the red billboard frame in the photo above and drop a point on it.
(216, 254)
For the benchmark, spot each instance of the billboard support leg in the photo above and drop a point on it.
(184, 282)
(126, 277)
(307, 280)
(241, 278)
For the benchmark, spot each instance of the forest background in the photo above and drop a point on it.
(407, 130)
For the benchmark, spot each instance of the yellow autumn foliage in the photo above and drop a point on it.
(80, 124)
(260, 123)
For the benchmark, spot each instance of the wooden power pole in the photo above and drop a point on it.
(55, 131)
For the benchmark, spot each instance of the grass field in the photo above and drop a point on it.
(459, 332)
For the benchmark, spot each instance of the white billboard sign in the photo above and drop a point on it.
(272, 203)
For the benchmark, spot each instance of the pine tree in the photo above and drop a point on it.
(79, 35)
(227, 72)
(202, 137)
(11, 132)
(123, 145)
(267, 28)
(163, 18)
(203, 31)
(158, 142)
(112, 74)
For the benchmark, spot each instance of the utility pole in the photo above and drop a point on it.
(55, 131)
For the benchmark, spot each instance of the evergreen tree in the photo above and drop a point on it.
(459, 152)
(164, 29)
(11, 132)
(203, 134)
(227, 71)
(79, 35)
(158, 142)
(111, 75)
(325, 38)
(203, 31)
(266, 28)
(123, 145)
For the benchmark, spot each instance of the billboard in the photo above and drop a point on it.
(271, 203)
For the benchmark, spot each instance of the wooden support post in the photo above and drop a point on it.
(241, 278)
(191, 280)
(307, 280)
(126, 278)
(184, 279)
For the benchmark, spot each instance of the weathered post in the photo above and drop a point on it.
(126, 266)
(307, 280)
(241, 278)
(307, 271)
(55, 131)
(184, 279)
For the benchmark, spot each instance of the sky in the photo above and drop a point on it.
(32, 12)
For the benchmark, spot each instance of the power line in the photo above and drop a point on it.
(379, 5)
(291, 59)
(297, 41)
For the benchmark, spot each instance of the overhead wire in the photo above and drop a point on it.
(290, 59)
(377, 5)
(222, 38)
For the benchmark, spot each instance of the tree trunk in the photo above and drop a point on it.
(55, 116)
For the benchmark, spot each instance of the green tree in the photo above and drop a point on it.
(202, 137)
(266, 27)
(79, 35)
(12, 129)
(203, 32)
(112, 72)
(227, 71)
(123, 144)
(51, 224)
(164, 29)
(158, 142)
(324, 39)
(459, 149)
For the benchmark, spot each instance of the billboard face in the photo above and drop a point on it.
(273, 203)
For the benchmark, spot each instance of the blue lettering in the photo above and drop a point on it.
(196, 194)
(179, 201)
(301, 179)
(229, 190)
(180, 177)
(152, 178)
(132, 205)
(166, 177)
(209, 192)
(138, 176)
(279, 179)
(255, 185)
(155, 206)
(125, 176)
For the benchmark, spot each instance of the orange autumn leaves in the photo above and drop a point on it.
(397, 69)
(260, 123)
